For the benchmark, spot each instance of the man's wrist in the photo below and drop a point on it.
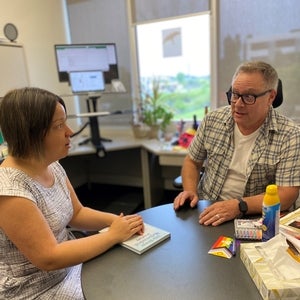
(243, 207)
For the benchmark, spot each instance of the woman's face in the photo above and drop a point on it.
(57, 140)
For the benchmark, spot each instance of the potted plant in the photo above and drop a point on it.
(155, 112)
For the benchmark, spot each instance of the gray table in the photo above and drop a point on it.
(178, 268)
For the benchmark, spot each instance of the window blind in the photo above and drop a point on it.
(149, 10)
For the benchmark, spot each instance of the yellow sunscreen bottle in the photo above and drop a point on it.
(270, 213)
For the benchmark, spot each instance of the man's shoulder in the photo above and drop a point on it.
(284, 124)
(220, 117)
(221, 113)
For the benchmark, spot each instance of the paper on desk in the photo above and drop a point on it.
(280, 262)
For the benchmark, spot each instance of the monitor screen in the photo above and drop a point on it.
(87, 57)
(86, 81)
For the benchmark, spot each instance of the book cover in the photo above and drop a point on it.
(141, 243)
(291, 221)
(224, 247)
(290, 228)
(151, 237)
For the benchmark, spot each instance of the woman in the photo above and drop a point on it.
(38, 259)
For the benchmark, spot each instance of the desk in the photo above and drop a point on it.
(145, 163)
(178, 268)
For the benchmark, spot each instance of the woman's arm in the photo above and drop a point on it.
(86, 218)
(26, 227)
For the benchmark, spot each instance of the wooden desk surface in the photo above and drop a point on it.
(178, 268)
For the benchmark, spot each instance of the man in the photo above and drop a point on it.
(245, 147)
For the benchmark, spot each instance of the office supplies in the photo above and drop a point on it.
(293, 251)
(224, 246)
(247, 229)
(234, 247)
(289, 227)
(291, 222)
(117, 86)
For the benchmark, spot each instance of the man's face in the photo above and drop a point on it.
(250, 117)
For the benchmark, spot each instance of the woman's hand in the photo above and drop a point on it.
(126, 226)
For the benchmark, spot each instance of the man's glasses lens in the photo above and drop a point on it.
(248, 99)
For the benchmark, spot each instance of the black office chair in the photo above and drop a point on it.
(76, 233)
(177, 182)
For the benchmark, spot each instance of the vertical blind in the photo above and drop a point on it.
(266, 30)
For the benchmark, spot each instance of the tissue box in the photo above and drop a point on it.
(269, 285)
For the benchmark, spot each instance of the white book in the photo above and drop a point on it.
(151, 237)
(141, 243)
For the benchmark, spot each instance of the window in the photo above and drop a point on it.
(177, 53)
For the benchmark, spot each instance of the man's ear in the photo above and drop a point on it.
(272, 97)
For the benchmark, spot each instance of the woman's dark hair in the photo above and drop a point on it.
(25, 118)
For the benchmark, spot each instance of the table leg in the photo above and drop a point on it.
(153, 184)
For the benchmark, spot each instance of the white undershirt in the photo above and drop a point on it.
(236, 177)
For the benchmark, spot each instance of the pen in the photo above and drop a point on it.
(234, 247)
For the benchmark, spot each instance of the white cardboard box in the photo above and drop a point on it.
(269, 285)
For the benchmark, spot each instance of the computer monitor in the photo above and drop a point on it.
(87, 57)
(87, 82)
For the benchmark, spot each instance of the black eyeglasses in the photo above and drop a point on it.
(247, 99)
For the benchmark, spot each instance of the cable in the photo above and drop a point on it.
(80, 130)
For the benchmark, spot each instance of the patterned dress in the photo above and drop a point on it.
(19, 278)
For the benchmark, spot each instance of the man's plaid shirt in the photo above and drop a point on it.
(275, 157)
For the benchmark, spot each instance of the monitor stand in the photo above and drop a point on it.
(95, 138)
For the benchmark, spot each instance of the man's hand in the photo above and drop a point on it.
(219, 212)
(184, 197)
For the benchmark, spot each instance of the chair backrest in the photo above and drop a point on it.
(177, 182)
(279, 96)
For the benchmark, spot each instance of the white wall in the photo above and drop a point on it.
(40, 24)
